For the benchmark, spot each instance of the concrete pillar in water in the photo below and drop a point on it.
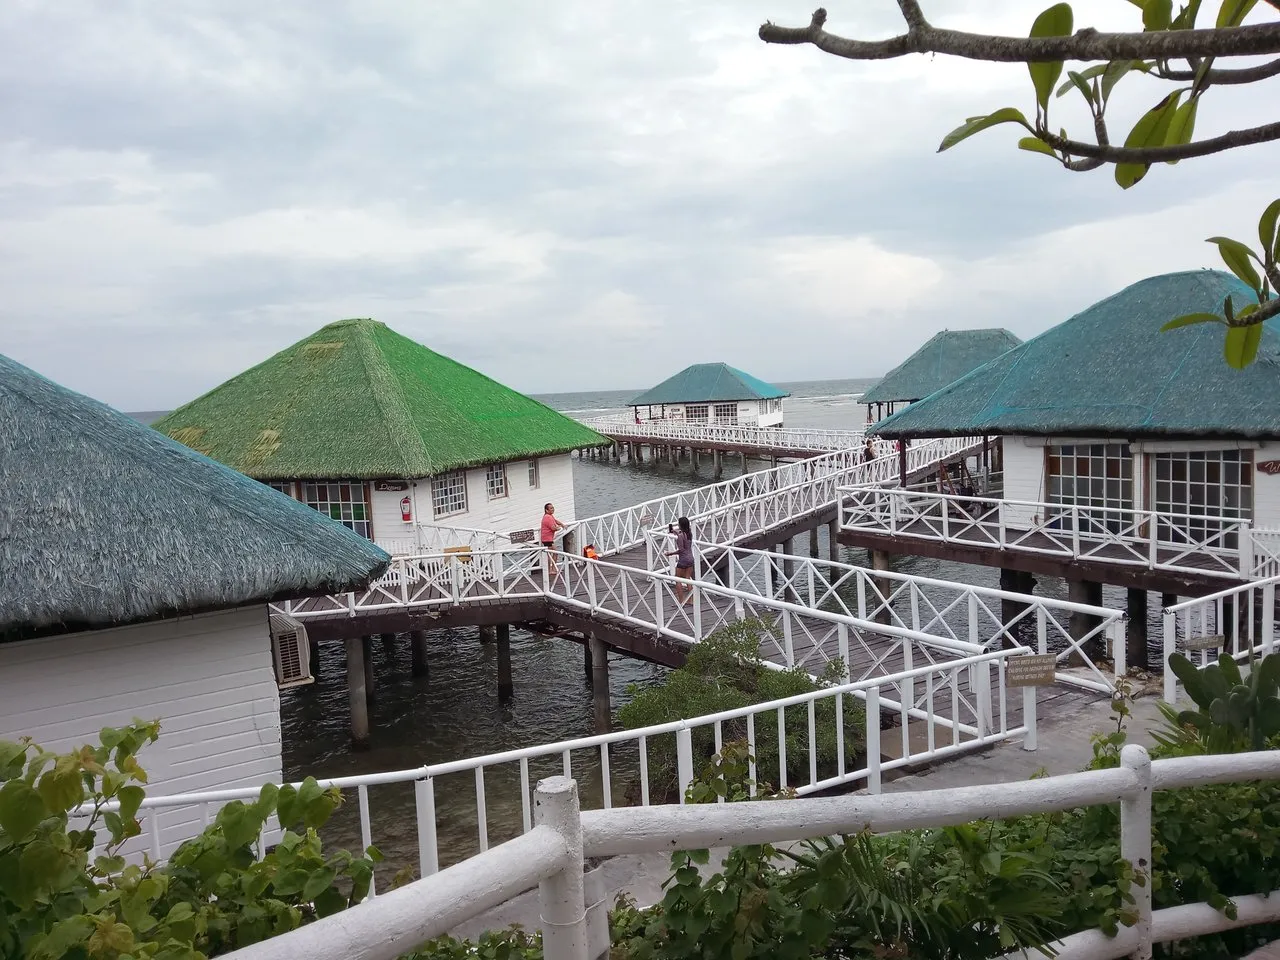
(313, 658)
(833, 539)
(744, 461)
(487, 634)
(388, 641)
(717, 464)
(357, 698)
(1015, 581)
(880, 561)
(370, 676)
(813, 543)
(418, 644)
(1136, 642)
(1088, 592)
(602, 708)
(587, 666)
(505, 687)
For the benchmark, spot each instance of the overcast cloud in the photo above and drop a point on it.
(567, 196)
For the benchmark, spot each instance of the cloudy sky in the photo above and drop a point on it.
(565, 195)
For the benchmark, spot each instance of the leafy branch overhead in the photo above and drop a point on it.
(1171, 47)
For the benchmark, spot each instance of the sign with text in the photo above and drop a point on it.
(1036, 670)
(1204, 643)
(521, 536)
(1270, 467)
(390, 486)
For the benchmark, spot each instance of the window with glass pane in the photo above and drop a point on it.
(534, 480)
(696, 412)
(1095, 477)
(496, 479)
(726, 413)
(341, 500)
(284, 486)
(1209, 488)
(449, 494)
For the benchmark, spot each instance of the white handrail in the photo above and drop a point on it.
(745, 435)
(390, 924)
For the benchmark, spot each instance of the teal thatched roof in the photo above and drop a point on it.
(358, 400)
(709, 383)
(1110, 371)
(104, 521)
(947, 357)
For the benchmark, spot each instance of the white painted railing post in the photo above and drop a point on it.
(1246, 550)
(1268, 618)
(1170, 645)
(684, 759)
(1135, 841)
(984, 719)
(1028, 713)
(842, 648)
(591, 586)
(1118, 631)
(788, 646)
(424, 796)
(561, 896)
(1000, 515)
(873, 739)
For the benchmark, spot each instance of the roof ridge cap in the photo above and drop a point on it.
(391, 403)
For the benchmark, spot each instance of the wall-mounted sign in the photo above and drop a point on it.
(521, 536)
(1270, 467)
(1212, 642)
(390, 486)
(1033, 670)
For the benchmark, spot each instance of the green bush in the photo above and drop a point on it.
(725, 672)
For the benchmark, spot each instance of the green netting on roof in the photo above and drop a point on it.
(356, 399)
(105, 521)
(947, 357)
(1110, 371)
(709, 383)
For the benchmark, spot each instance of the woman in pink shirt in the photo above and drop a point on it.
(550, 526)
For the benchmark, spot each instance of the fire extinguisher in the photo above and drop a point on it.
(406, 511)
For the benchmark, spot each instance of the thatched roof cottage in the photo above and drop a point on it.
(713, 393)
(388, 437)
(945, 357)
(134, 581)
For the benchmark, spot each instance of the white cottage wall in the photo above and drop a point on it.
(209, 679)
(1023, 478)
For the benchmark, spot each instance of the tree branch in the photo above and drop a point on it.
(1185, 151)
(1088, 44)
(1264, 313)
(1214, 77)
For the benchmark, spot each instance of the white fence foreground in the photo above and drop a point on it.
(552, 856)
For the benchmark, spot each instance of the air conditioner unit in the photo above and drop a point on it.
(290, 651)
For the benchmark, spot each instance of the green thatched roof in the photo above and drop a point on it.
(1110, 371)
(709, 383)
(357, 400)
(103, 521)
(947, 357)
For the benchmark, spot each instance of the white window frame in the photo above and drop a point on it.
(495, 480)
(449, 494)
(726, 413)
(346, 501)
(1214, 478)
(535, 474)
(1106, 485)
(703, 415)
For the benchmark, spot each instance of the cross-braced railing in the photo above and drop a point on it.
(1216, 546)
(740, 436)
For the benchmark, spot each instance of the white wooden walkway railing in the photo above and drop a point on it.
(1182, 543)
(553, 854)
(734, 435)
(940, 710)
(1240, 621)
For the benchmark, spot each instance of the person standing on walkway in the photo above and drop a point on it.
(550, 527)
(684, 559)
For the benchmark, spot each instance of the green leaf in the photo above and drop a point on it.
(317, 883)
(38, 868)
(1267, 230)
(1089, 73)
(61, 787)
(1192, 318)
(1183, 125)
(11, 756)
(1237, 257)
(288, 807)
(21, 810)
(131, 798)
(1157, 14)
(1082, 85)
(1241, 346)
(1151, 130)
(1233, 12)
(1054, 22)
(978, 124)
(1036, 145)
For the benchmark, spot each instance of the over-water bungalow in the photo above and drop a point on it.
(134, 581)
(406, 447)
(945, 358)
(713, 393)
(1130, 456)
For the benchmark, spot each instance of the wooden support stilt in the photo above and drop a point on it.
(357, 697)
(506, 690)
(370, 676)
(418, 644)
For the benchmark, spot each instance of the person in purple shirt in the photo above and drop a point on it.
(684, 559)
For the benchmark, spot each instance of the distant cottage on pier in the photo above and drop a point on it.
(389, 438)
(945, 358)
(713, 393)
(134, 582)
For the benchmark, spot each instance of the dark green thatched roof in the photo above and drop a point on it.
(1110, 371)
(357, 400)
(947, 357)
(709, 383)
(103, 521)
